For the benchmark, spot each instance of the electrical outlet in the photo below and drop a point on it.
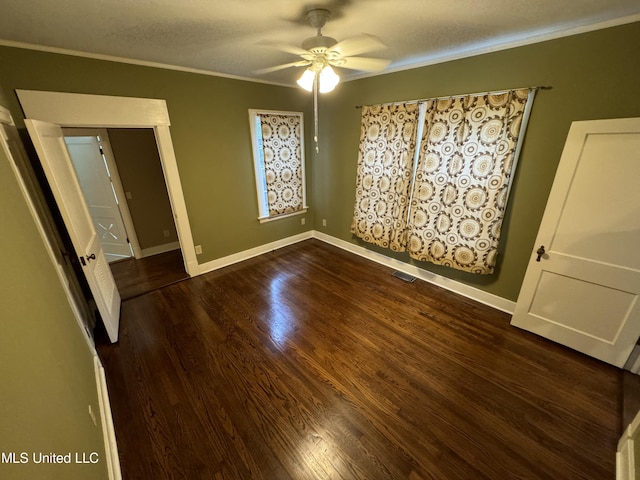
(302, 221)
(165, 233)
(198, 249)
(324, 222)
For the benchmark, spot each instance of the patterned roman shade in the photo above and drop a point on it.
(281, 143)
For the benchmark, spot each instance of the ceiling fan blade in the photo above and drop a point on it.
(300, 63)
(363, 63)
(357, 45)
(285, 47)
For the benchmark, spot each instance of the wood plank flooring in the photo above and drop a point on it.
(136, 277)
(312, 363)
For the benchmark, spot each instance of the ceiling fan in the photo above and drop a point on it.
(320, 53)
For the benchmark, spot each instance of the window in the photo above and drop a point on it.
(434, 177)
(278, 156)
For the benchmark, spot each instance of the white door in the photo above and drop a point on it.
(10, 138)
(48, 140)
(583, 292)
(99, 194)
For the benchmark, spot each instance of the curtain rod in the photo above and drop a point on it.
(492, 92)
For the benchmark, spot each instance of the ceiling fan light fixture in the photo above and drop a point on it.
(328, 79)
(307, 79)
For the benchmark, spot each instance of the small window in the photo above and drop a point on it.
(278, 156)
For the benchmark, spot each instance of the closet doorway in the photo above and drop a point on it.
(121, 177)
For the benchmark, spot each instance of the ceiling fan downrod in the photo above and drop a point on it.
(318, 17)
(318, 44)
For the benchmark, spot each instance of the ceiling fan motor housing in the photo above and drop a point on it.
(318, 44)
(320, 51)
(318, 17)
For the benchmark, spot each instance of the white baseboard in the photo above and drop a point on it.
(110, 447)
(625, 454)
(252, 252)
(473, 293)
(166, 247)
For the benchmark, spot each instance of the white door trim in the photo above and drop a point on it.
(100, 111)
(5, 119)
(84, 110)
(108, 431)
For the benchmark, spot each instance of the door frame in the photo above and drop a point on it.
(50, 240)
(123, 205)
(103, 111)
(45, 225)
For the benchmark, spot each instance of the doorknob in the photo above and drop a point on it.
(540, 252)
(91, 257)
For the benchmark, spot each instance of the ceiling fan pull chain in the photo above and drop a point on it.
(315, 113)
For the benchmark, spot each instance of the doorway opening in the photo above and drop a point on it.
(121, 177)
(45, 114)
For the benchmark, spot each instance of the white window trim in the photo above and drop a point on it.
(284, 215)
(258, 165)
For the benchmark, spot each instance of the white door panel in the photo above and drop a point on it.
(584, 291)
(101, 280)
(49, 143)
(99, 194)
(602, 213)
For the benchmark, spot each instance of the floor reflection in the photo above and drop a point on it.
(281, 321)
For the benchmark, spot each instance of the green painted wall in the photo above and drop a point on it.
(210, 132)
(47, 378)
(140, 171)
(45, 367)
(593, 75)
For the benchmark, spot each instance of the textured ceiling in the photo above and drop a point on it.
(227, 37)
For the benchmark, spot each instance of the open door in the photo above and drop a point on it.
(100, 195)
(49, 143)
(582, 285)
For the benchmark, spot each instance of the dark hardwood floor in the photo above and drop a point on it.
(136, 277)
(312, 363)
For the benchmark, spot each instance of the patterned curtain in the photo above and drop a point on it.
(385, 170)
(463, 177)
(282, 162)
